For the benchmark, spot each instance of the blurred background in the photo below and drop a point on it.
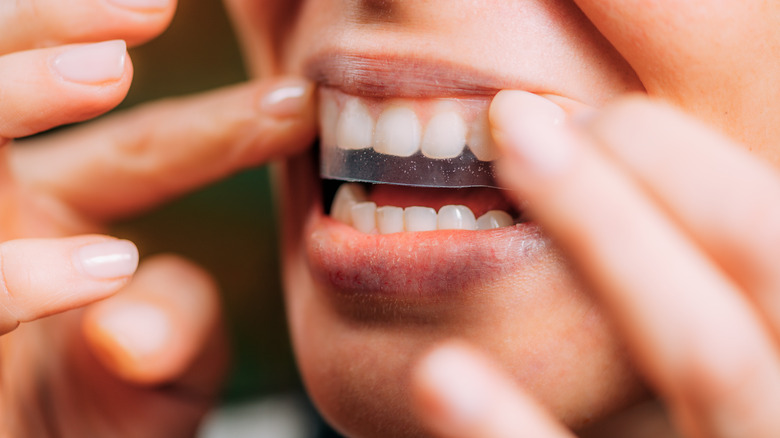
(231, 217)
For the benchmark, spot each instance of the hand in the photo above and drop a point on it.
(673, 225)
(147, 361)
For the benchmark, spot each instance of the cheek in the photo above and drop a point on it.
(546, 333)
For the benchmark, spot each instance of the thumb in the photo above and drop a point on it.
(165, 327)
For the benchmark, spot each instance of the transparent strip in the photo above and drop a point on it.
(366, 165)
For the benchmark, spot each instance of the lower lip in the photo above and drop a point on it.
(416, 266)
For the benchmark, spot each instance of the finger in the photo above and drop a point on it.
(136, 160)
(692, 332)
(44, 88)
(31, 24)
(41, 277)
(698, 56)
(164, 328)
(459, 394)
(713, 188)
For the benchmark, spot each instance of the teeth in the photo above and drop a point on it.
(445, 136)
(419, 219)
(442, 129)
(351, 206)
(390, 219)
(329, 119)
(355, 128)
(480, 141)
(456, 217)
(397, 132)
(494, 219)
(364, 216)
(347, 196)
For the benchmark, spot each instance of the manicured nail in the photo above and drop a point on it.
(110, 259)
(93, 63)
(287, 98)
(456, 383)
(532, 130)
(142, 4)
(139, 329)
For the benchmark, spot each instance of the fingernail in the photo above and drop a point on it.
(93, 63)
(140, 330)
(456, 382)
(111, 259)
(532, 130)
(287, 98)
(142, 4)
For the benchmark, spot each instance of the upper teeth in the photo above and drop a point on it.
(351, 206)
(439, 129)
(445, 136)
(397, 132)
(354, 127)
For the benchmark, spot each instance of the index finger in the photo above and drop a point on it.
(134, 161)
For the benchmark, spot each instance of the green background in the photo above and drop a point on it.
(229, 226)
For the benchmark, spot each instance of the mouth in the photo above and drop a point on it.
(410, 208)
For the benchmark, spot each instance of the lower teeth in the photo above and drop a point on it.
(351, 206)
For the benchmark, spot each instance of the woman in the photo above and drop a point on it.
(655, 281)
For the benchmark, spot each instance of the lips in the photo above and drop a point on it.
(415, 266)
(410, 243)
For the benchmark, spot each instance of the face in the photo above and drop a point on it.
(366, 297)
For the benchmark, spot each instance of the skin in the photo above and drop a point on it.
(717, 370)
(630, 161)
(93, 369)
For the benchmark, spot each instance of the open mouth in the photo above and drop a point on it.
(424, 237)
(440, 147)
(410, 209)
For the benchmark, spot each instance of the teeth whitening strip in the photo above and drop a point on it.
(432, 143)
(369, 166)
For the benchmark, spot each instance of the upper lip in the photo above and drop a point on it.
(384, 76)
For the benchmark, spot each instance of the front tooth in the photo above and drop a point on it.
(329, 119)
(397, 132)
(364, 216)
(445, 136)
(456, 217)
(419, 219)
(494, 219)
(480, 141)
(347, 195)
(390, 219)
(355, 128)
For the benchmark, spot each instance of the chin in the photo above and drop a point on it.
(394, 236)
(364, 306)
